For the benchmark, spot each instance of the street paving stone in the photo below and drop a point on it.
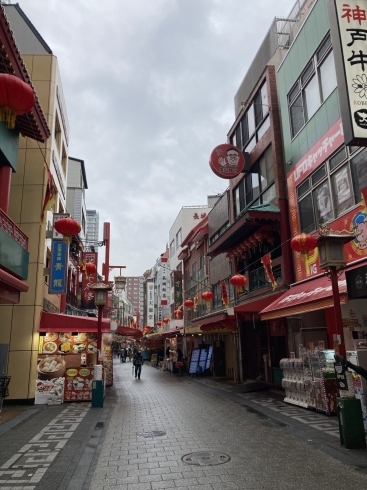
(272, 445)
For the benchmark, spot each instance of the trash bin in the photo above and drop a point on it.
(351, 426)
(97, 393)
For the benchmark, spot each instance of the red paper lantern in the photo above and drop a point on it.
(90, 269)
(303, 243)
(239, 281)
(178, 314)
(67, 227)
(16, 98)
(166, 320)
(188, 304)
(207, 297)
(159, 324)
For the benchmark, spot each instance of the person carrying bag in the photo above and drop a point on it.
(137, 363)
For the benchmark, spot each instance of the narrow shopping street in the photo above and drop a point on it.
(166, 432)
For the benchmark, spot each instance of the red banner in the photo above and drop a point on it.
(266, 261)
(87, 299)
(223, 287)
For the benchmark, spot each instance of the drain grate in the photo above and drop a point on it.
(206, 458)
(151, 433)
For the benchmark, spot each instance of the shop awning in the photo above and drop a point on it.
(312, 295)
(200, 234)
(184, 253)
(204, 320)
(58, 322)
(11, 287)
(258, 303)
(172, 332)
(129, 332)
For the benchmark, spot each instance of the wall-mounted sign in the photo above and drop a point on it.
(87, 299)
(58, 267)
(348, 27)
(227, 161)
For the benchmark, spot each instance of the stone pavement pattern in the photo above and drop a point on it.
(262, 455)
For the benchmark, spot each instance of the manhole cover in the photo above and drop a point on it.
(152, 433)
(206, 458)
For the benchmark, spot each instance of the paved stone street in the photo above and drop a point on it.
(170, 432)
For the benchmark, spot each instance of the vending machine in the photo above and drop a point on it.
(359, 358)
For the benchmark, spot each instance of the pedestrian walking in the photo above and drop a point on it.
(137, 362)
(129, 353)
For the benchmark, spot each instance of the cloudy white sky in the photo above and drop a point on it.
(149, 88)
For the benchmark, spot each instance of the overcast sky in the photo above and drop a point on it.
(149, 87)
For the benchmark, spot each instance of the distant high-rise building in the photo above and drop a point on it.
(92, 229)
(134, 293)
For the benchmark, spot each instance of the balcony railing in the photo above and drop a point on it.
(14, 255)
(71, 299)
(258, 279)
(11, 229)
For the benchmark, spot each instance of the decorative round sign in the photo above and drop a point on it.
(227, 161)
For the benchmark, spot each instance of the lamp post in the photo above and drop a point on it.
(100, 300)
(332, 258)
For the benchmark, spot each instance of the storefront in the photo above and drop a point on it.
(67, 354)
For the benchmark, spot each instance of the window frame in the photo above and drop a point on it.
(303, 81)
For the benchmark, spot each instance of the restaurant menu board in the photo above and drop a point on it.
(54, 343)
(78, 384)
(209, 358)
(202, 359)
(194, 361)
(49, 391)
(108, 365)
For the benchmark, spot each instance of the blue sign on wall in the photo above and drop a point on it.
(58, 267)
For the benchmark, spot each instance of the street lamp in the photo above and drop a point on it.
(100, 300)
(332, 258)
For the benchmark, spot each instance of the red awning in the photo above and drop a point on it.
(219, 317)
(7, 280)
(129, 332)
(200, 234)
(173, 331)
(183, 254)
(258, 303)
(58, 322)
(312, 295)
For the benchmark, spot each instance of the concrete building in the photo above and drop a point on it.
(135, 295)
(75, 197)
(27, 199)
(187, 219)
(92, 235)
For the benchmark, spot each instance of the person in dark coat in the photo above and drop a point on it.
(138, 362)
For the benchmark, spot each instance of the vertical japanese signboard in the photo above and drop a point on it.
(150, 304)
(348, 27)
(58, 267)
(165, 282)
(177, 284)
(87, 300)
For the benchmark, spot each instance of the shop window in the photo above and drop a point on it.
(332, 189)
(316, 83)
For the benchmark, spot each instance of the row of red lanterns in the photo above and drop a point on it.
(252, 242)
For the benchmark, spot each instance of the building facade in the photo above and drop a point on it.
(92, 234)
(325, 177)
(135, 294)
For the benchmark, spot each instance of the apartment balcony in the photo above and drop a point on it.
(14, 259)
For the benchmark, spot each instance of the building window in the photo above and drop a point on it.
(254, 122)
(332, 189)
(178, 238)
(258, 186)
(313, 87)
(172, 248)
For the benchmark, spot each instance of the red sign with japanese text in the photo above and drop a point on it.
(87, 299)
(354, 220)
(227, 161)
